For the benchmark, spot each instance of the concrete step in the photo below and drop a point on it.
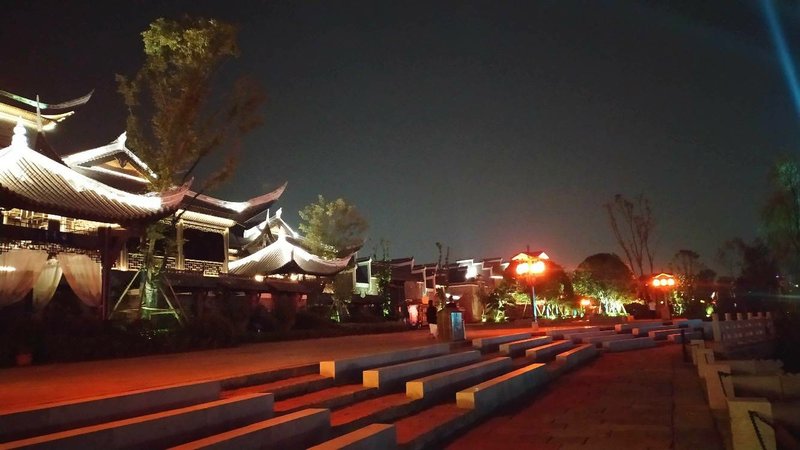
(491, 344)
(349, 369)
(547, 351)
(629, 344)
(383, 409)
(661, 335)
(252, 379)
(286, 388)
(643, 330)
(517, 348)
(330, 398)
(428, 429)
(438, 385)
(598, 340)
(577, 338)
(559, 333)
(159, 430)
(389, 377)
(292, 431)
(491, 394)
(376, 436)
(689, 335)
(628, 326)
(575, 357)
(27, 422)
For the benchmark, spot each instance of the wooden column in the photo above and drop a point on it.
(226, 247)
(179, 259)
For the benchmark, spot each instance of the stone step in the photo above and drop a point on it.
(689, 335)
(330, 398)
(547, 351)
(598, 340)
(577, 356)
(350, 368)
(383, 409)
(516, 348)
(558, 333)
(491, 394)
(27, 422)
(491, 344)
(159, 430)
(662, 334)
(628, 326)
(642, 331)
(430, 428)
(375, 436)
(389, 377)
(441, 383)
(629, 344)
(286, 388)
(252, 379)
(297, 430)
(577, 338)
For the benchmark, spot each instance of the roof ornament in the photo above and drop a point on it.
(122, 138)
(278, 213)
(19, 140)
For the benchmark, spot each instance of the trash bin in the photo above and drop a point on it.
(451, 325)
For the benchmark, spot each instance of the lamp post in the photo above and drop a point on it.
(530, 269)
(664, 282)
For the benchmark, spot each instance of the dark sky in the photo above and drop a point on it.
(483, 125)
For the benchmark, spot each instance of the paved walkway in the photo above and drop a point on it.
(38, 385)
(637, 400)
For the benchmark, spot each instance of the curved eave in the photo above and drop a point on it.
(284, 257)
(238, 211)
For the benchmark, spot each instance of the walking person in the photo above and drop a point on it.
(430, 314)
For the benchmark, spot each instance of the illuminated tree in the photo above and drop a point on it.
(632, 223)
(332, 229)
(781, 214)
(179, 115)
(605, 277)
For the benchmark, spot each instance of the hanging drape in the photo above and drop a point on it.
(83, 276)
(19, 270)
(46, 284)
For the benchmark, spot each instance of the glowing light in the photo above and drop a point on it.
(522, 268)
(537, 267)
(8, 269)
(671, 281)
(259, 278)
(782, 48)
(656, 282)
(586, 302)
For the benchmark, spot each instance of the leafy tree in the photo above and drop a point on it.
(632, 223)
(179, 116)
(605, 277)
(332, 229)
(781, 214)
(383, 274)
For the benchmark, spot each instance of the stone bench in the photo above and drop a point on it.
(296, 430)
(629, 344)
(375, 436)
(688, 323)
(22, 423)
(347, 368)
(559, 333)
(519, 347)
(159, 430)
(642, 331)
(498, 391)
(662, 334)
(577, 338)
(576, 356)
(547, 351)
(628, 326)
(453, 379)
(688, 336)
(489, 344)
(598, 340)
(388, 377)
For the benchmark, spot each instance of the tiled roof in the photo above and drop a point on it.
(30, 180)
(283, 256)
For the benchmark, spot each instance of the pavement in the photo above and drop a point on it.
(636, 400)
(645, 399)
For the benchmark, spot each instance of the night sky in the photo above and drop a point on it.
(481, 125)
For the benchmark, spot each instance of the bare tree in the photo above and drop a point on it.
(632, 224)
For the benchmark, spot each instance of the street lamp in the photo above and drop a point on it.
(664, 282)
(529, 268)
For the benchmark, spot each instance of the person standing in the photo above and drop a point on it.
(430, 314)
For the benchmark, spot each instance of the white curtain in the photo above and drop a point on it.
(19, 270)
(83, 276)
(46, 284)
